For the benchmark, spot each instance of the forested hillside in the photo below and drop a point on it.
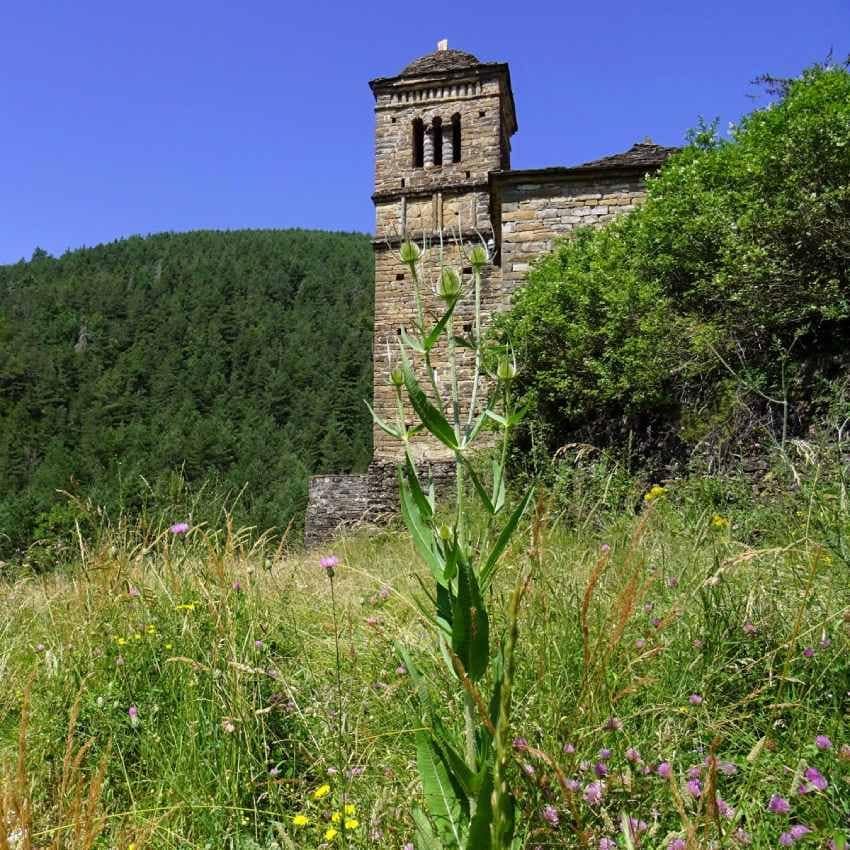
(222, 359)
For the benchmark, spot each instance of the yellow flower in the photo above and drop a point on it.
(168, 646)
(300, 820)
(190, 606)
(351, 823)
(151, 629)
(321, 791)
(654, 492)
(349, 809)
(719, 521)
(336, 817)
(121, 641)
(331, 833)
(132, 846)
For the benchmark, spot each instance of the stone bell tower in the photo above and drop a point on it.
(441, 126)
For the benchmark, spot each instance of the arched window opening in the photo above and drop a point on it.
(437, 140)
(418, 143)
(456, 137)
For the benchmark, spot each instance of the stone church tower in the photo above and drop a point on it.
(443, 129)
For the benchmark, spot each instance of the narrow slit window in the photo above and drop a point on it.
(456, 137)
(437, 140)
(418, 143)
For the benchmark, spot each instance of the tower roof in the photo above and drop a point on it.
(440, 60)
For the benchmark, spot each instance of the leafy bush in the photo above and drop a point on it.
(729, 286)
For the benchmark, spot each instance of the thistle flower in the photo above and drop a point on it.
(528, 770)
(808, 652)
(572, 784)
(133, 714)
(743, 837)
(550, 815)
(778, 805)
(823, 743)
(749, 628)
(179, 528)
(640, 643)
(520, 744)
(448, 288)
(133, 592)
(664, 770)
(327, 563)
(593, 793)
(636, 827)
(677, 844)
(694, 788)
(724, 808)
(569, 749)
(607, 844)
(727, 768)
(632, 755)
(600, 769)
(604, 754)
(694, 771)
(695, 699)
(814, 781)
(825, 642)
(614, 724)
(672, 582)
(409, 253)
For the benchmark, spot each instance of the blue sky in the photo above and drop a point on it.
(119, 118)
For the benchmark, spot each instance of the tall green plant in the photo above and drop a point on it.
(466, 809)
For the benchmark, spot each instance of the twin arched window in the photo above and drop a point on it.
(418, 141)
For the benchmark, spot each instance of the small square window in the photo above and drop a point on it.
(481, 113)
(400, 276)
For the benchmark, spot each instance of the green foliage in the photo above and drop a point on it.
(734, 269)
(229, 358)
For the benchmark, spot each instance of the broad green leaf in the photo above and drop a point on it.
(496, 417)
(383, 425)
(425, 505)
(432, 418)
(463, 342)
(479, 837)
(435, 333)
(455, 764)
(443, 805)
(479, 487)
(470, 624)
(503, 540)
(424, 837)
(420, 532)
(476, 427)
(498, 486)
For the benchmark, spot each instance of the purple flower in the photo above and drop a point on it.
(593, 793)
(605, 754)
(604, 548)
(636, 827)
(694, 788)
(237, 586)
(327, 563)
(274, 772)
(778, 805)
(569, 749)
(727, 768)
(798, 831)
(258, 644)
(823, 743)
(133, 592)
(695, 699)
(401, 670)
(808, 652)
(632, 755)
(677, 844)
(749, 628)
(408, 846)
(600, 769)
(664, 770)
(672, 581)
(133, 714)
(179, 528)
(742, 836)
(528, 770)
(640, 643)
(613, 724)
(815, 781)
(520, 744)
(656, 622)
(607, 844)
(572, 784)
(550, 815)
(724, 808)
(384, 593)
(694, 771)
(786, 839)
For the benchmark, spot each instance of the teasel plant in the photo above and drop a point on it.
(466, 808)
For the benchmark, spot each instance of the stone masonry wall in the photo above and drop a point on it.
(535, 214)
(335, 502)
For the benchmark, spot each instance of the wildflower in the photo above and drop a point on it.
(727, 768)
(694, 772)
(749, 628)
(593, 793)
(640, 643)
(694, 788)
(614, 724)
(823, 743)
(179, 528)
(636, 827)
(321, 791)
(778, 805)
(718, 521)
(798, 830)
(229, 727)
(274, 772)
(168, 646)
(408, 846)
(814, 781)
(656, 622)
(258, 644)
(354, 772)
(664, 770)
(331, 833)
(648, 606)
(351, 823)
(632, 755)
(607, 844)
(133, 714)
(39, 647)
(401, 670)
(349, 809)
(328, 563)
(825, 643)
(677, 844)
(237, 586)
(672, 582)
(600, 769)
(572, 784)
(695, 699)
(605, 548)
(528, 770)
(300, 820)
(133, 592)
(520, 744)
(384, 593)
(724, 808)
(584, 766)
(698, 644)
(742, 836)
(336, 817)
(654, 492)
(604, 754)
(569, 749)
(121, 641)
(550, 815)
(808, 652)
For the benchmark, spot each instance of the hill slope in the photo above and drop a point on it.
(239, 358)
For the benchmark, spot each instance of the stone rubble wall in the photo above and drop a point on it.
(534, 215)
(335, 502)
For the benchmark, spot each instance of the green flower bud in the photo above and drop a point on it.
(449, 288)
(506, 370)
(409, 253)
(445, 532)
(478, 257)
(397, 377)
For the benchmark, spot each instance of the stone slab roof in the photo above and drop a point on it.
(640, 155)
(439, 61)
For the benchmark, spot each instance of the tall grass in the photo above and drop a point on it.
(708, 631)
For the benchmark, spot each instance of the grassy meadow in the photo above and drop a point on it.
(682, 679)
